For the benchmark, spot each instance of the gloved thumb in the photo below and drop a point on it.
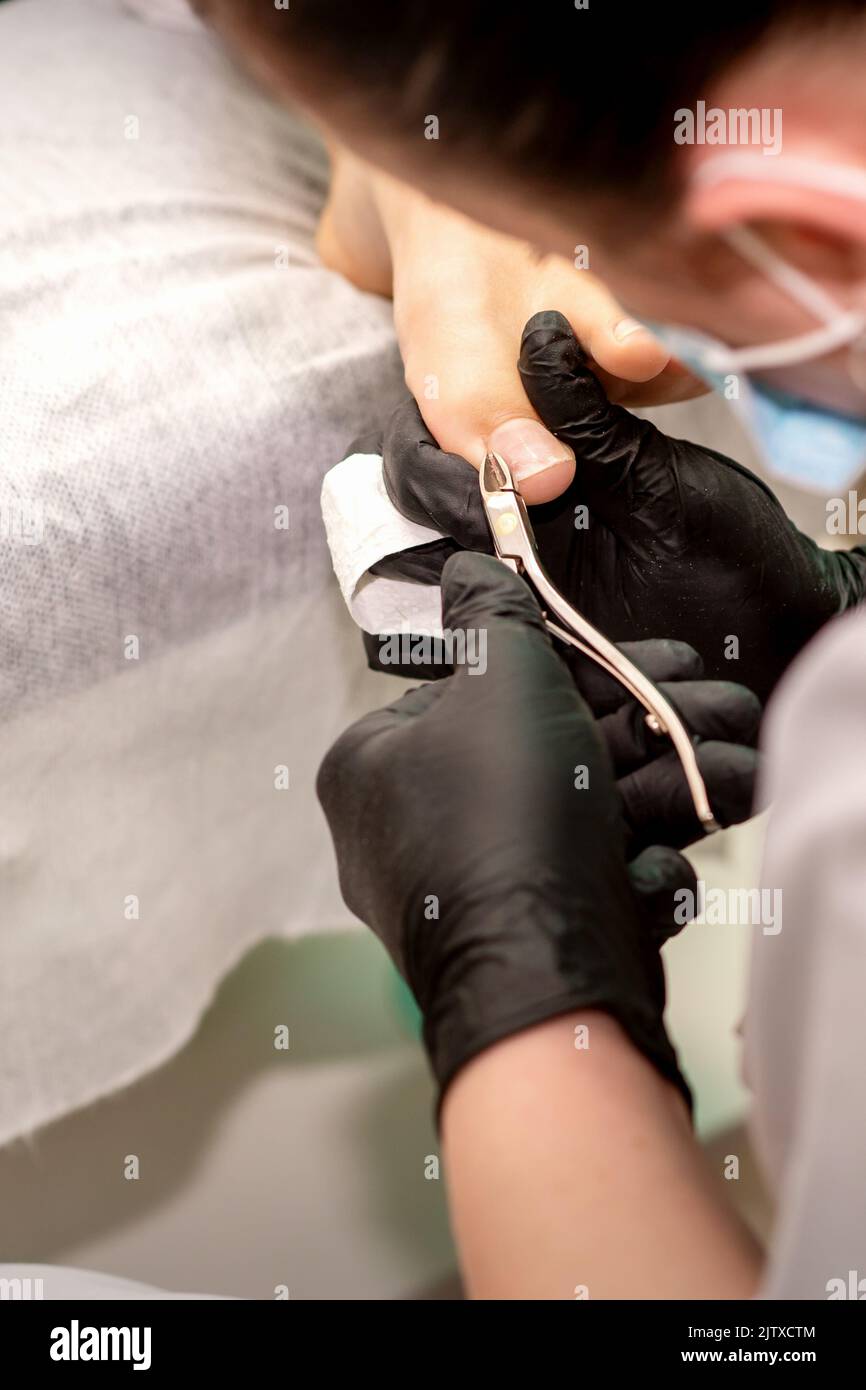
(478, 590)
(572, 403)
(665, 885)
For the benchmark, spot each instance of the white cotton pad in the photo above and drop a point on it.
(362, 526)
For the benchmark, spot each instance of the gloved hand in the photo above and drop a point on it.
(679, 540)
(493, 869)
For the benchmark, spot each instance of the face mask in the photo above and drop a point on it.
(798, 441)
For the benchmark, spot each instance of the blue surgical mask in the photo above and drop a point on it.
(803, 443)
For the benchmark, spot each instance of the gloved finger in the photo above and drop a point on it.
(710, 709)
(499, 619)
(665, 885)
(421, 564)
(412, 656)
(571, 400)
(429, 486)
(662, 659)
(478, 590)
(657, 806)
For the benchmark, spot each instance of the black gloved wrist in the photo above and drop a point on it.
(513, 991)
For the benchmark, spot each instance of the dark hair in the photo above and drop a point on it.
(564, 97)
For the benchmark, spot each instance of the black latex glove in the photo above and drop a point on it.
(681, 541)
(499, 887)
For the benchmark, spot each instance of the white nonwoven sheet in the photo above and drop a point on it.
(363, 526)
(178, 373)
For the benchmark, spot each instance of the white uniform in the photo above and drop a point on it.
(806, 1019)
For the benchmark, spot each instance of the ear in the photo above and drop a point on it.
(807, 208)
